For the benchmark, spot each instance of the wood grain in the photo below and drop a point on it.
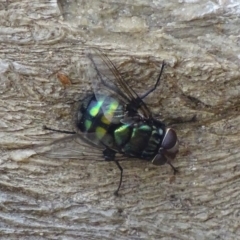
(72, 198)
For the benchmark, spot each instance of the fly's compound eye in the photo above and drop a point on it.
(168, 149)
(159, 159)
(170, 142)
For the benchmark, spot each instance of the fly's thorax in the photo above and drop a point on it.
(140, 139)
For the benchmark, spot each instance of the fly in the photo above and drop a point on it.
(116, 119)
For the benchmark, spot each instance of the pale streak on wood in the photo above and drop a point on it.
(45, 198)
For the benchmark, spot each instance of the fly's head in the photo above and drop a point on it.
(168, 148)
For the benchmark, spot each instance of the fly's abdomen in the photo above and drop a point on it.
(96, 118)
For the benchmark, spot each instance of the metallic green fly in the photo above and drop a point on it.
(115, 119)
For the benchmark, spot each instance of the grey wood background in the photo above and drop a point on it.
(69, 198)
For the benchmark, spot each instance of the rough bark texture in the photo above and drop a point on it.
(46, 198)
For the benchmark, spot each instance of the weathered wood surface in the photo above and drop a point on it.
(65, 198)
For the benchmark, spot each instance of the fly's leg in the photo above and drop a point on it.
(156, 84)
(109, 155)
(136, 103)
(56, 130)
(174, 169)
(120, 182)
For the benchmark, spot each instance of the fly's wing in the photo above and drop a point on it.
(108, 82)
(73, 147)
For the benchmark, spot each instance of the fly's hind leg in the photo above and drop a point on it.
(109, 155)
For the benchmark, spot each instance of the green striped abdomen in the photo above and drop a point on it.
(98, 118)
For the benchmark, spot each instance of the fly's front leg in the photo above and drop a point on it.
(156, 84)
(109, 155)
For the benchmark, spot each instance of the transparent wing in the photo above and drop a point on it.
(73, 147)
(109, 82)
(70, 147)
